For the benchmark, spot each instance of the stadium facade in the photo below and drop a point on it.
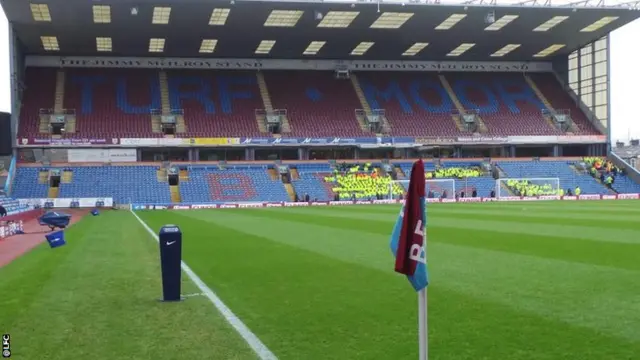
(307, 80)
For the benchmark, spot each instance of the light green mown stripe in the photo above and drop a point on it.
(511, 215)
(601, 207)
(490, 224)
(514, 280)
(97, 298)
(616, 255)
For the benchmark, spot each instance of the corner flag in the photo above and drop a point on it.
(408, 238)
(409, 246)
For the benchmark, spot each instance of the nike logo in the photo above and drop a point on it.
(170, 242)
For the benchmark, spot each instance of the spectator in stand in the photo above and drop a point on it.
(569, 192)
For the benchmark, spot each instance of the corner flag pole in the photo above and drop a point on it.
(423, 325)
(423, 317)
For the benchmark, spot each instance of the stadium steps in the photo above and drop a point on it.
(290, 191)
(184, 175)
(67, 177)
(156, 124)
(578, 172)
(43, 125)
(362, 121)
(181, 127)
(43, 177)
(609, 191)
(457, 118)
(53, 192)
(285, 126)
(273, 173)
(266, 101)
(399, 172)
(162, 175)
(156, 119)
(164, 92)
(506, 189)
(295, 175)
(175, 194)
(58, 106)
(165, 102)
(70, 124)
(543, 99)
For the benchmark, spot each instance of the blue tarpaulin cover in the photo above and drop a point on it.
(55, 219)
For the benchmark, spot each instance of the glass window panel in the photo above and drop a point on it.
(573, 55)
(574, 86)
(601, 79)
(601, 87)
(573, 63)
(573, 76)
(586, 50)
(601, 98)
(601, 55)
(585, 60)
(586, 83)
(601, 69)
(601, 112)
(587, 100)
(585, 72)
(601, 44)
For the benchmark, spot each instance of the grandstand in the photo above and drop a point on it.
(176, 125)
(200, 104)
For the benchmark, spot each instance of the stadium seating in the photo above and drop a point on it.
(122, 183)
(235, 183)
(506, 103)
(26, 184)
(317, 103)
(560, 99)
(363, 186)
(569, 178)
(416, 104)
(39, 93)
(112, 104)
(601, 168)
(482, 183)
(216, 104)
(116, 103)
(142, 184)
(12, 205)
(312, 182)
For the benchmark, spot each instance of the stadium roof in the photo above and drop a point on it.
(356, 30)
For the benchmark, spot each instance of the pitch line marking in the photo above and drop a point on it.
(249, 337)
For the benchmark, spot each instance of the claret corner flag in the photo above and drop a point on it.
(408, 240)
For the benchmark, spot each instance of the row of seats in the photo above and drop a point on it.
(236, 183)
(116, 103)
(141, 184)
(602, 168)
(483, 184)
(12, 205)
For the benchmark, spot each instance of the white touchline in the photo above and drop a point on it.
(249, 337)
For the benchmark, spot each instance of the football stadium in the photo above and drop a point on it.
(259, 179)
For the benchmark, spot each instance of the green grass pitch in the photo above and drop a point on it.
(509, 281)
